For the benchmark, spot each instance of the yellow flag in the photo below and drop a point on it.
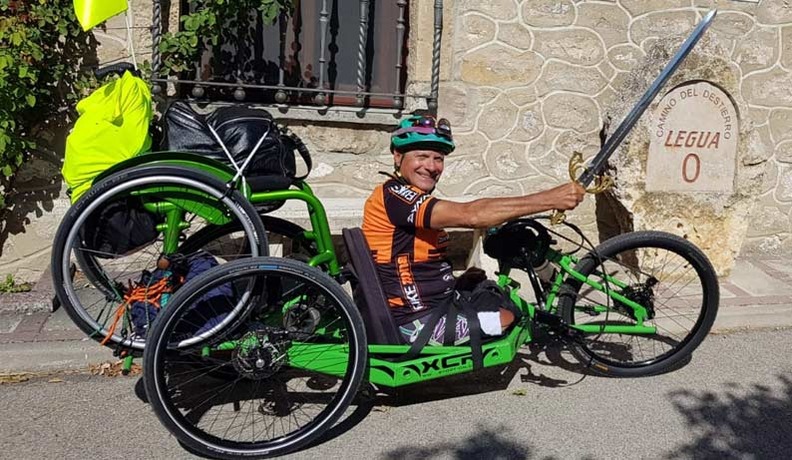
(93, 12)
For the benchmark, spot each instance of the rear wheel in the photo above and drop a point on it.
(667, 275)
(267, 384)
(92, 280)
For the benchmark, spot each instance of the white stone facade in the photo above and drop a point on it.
(527, 82)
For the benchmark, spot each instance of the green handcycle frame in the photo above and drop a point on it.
(433, 361)
(384, 367)
(441, 361)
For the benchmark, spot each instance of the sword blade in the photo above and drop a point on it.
(598, 163)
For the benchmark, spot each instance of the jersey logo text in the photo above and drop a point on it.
(405, 193)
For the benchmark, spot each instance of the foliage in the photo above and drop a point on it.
(41, 47)
(10, 286)
(182, 50)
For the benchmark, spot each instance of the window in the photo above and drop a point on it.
(313, 57)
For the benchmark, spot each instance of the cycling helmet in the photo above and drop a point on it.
(423, 133)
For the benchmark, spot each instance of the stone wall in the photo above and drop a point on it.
(533, 81)
(525, 83)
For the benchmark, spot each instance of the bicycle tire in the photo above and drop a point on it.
(67, 239)
(193, 415)
(636, 255)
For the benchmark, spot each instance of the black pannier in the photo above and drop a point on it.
(118, 228)
(241, 130)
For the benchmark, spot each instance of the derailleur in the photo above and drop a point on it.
(643, 295)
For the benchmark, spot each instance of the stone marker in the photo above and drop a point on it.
(712, 200)
(693, 140)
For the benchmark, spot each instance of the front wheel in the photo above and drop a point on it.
(668, 277)
(273, 380)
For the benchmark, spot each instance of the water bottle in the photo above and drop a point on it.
(546, 272)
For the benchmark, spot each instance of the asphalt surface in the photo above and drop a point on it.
(733, 400)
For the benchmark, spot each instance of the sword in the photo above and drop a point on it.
(595, 167)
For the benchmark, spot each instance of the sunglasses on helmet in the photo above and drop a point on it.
(427, 125)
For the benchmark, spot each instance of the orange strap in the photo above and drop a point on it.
(138, 293)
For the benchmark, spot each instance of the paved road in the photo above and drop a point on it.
(733, 400)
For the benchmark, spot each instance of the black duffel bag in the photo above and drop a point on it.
(241, 129)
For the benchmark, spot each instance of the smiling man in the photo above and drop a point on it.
(403, 224)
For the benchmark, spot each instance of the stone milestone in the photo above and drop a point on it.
(693, 141)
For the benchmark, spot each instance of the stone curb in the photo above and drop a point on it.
(39, 299)
(26, 302)
(52, 356)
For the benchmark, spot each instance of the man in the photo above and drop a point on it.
(403, 224)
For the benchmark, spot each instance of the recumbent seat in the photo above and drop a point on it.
(368, 293)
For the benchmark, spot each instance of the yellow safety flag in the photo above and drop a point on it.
(92, 12)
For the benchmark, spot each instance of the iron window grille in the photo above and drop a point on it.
(328, 53)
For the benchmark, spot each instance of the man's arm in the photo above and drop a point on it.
(488, 212)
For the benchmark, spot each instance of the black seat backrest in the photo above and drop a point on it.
(368, 293)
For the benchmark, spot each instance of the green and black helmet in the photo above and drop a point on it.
(423, 133)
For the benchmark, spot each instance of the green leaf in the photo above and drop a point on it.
(190, 23)
(30, 99)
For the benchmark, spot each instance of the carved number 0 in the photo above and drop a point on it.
(686, 168)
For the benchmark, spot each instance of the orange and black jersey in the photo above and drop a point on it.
(410, 256)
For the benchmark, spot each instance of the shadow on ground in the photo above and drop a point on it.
(527, 366)
(487, 442)
(737, 421)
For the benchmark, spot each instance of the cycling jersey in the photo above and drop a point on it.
(410, 256)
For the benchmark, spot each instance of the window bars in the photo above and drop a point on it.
(323, 91)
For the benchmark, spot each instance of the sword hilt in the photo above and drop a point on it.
(583, 176)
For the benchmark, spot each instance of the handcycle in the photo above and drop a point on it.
(289, 364)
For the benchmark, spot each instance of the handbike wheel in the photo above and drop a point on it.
(268, 384)
(667, 275)
(93, 294)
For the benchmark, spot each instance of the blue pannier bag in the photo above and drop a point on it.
(206, 313)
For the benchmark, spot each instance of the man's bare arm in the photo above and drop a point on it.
(488, 212)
